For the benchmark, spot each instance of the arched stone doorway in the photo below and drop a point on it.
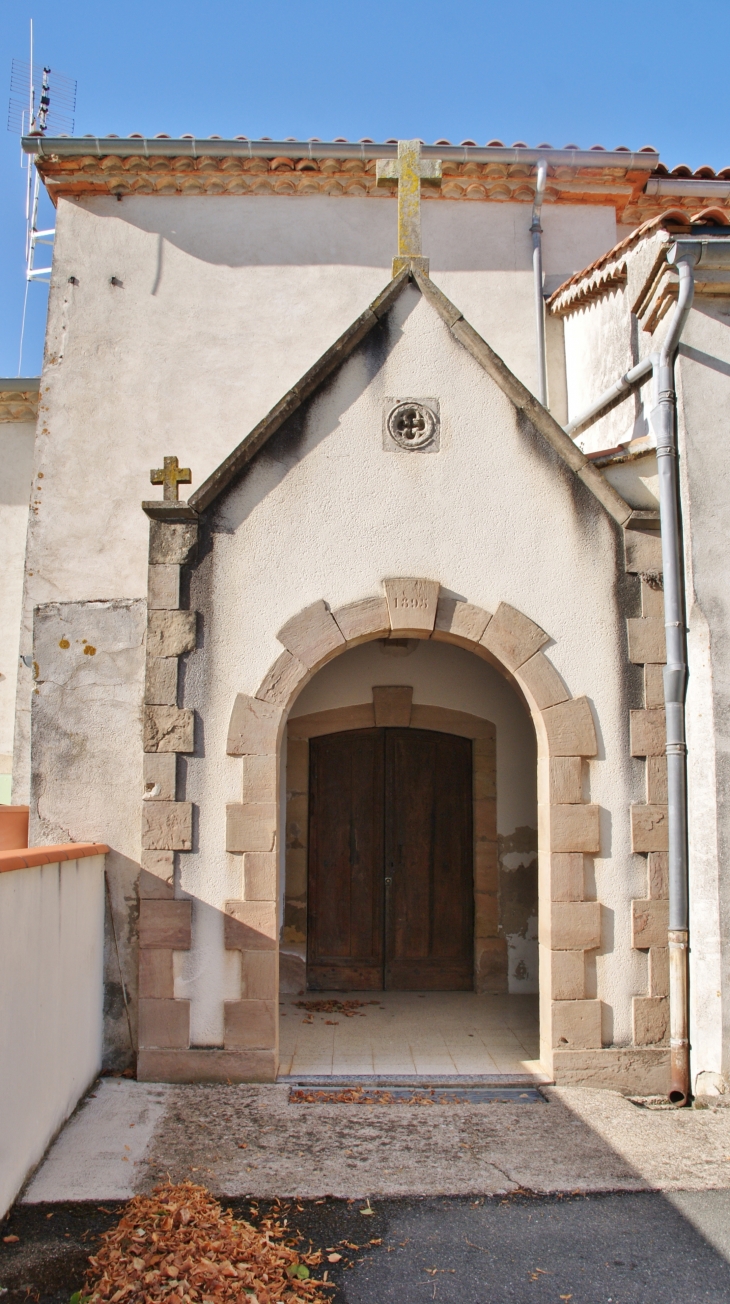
(568, 826)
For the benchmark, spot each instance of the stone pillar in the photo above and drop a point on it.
(165, 921)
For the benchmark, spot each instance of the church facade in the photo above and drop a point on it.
(380, 704)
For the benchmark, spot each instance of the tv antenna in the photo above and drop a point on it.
(41, 100)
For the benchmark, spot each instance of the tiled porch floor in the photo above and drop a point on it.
(411, 1033)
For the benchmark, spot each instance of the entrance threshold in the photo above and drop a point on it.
(423, 1081)
(405, 1037)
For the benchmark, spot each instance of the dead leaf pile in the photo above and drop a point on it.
(350, 1009)
(360, 1096)
(179, 1246)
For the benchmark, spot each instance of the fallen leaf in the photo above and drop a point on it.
(334, 1258)
(10, 1240)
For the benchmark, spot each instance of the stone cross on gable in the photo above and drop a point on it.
(170, 476)
(409, 170)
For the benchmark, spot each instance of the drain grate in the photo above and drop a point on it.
(356, 1095)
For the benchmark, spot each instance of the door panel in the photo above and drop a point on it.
(429, 905)
(345, 898)
(390, 898)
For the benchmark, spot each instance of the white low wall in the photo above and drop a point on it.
(51, 994)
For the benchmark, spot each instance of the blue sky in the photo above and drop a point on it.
(625, 73)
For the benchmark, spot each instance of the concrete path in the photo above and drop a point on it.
(250, 1141)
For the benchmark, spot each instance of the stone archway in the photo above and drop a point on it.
(568, 825)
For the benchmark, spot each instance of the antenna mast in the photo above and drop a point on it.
(28, 120)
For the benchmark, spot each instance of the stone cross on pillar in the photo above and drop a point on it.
(409, 170)
(170, 476)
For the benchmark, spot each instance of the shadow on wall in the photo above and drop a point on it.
(312, 231)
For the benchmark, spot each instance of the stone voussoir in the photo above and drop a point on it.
(312, 636)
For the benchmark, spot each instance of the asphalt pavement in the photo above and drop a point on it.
(613, 1248)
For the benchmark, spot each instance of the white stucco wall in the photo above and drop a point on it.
(324, 512)
(447, 676)
(16, 460)
(51, 955)
(704, 406)
(224, 303)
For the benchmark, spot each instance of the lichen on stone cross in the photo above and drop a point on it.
(409, 170)
(170, 476)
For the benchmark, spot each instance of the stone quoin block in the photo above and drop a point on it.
(253, 728)
(250, 926)
(490, 965)
(512, 637)
(652, 599)
(565, 774)
(163, 588)
(486, 914)
(312, 635)
(570, 729)
(165, 924)
(249, 1025)
(297, 765)
(484, 815)
(364, 620)
(156, 877)
(337, 720)
(459, 622)
(542, 681)
(169, 729)
(647, 640)
(412, 605)
(282, 680)
(484, 769)
(259, 778)
(649, 923)
(297, 817)
(159, 775)
(648, 733)
(201, 1065)
(653, 685)
(392, 705)
(658, 970)
(573, 926)
(649, 828)
(486, 867)
(296, 873)
(161, 681)
(568, 976)
(251, 826)
(651, 1020)
(156, 979)
(658, 875)
(171, 633)
(164, 1023)
(259, 975)
(167, 825)
(260, 876)
(576, 1025)
(567, 875)
(643, 551)
(174, 543)
(657, 791)
(575, 828)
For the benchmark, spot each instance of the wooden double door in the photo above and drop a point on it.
(390, 872)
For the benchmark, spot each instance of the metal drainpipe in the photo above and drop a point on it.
(685, 255)
(536, 230)
(663, 419)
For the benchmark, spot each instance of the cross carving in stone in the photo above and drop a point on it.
(170, 476)
(409, 170)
